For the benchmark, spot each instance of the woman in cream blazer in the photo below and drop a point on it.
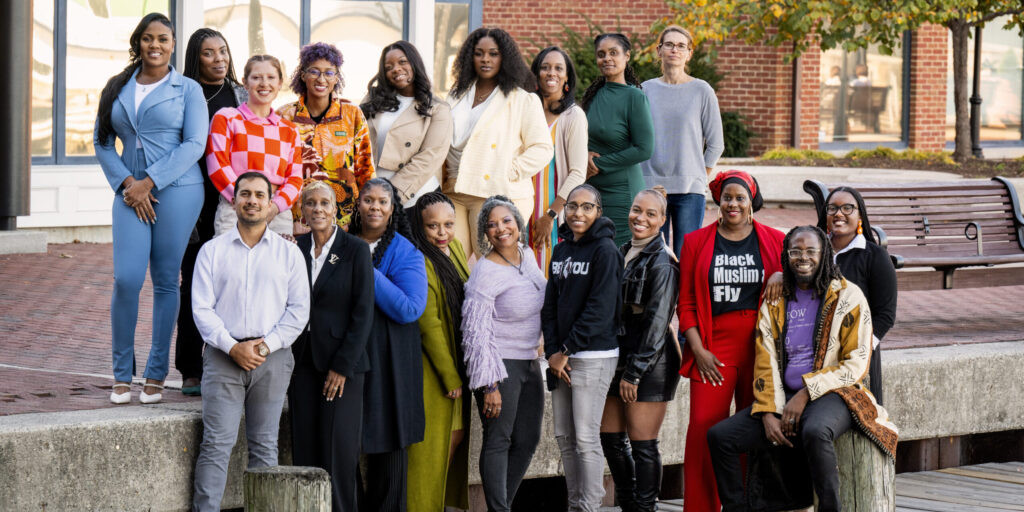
(410, 128)
(500, 138)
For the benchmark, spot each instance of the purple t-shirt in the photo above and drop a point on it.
(800, 317)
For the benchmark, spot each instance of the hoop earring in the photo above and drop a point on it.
(565, 87)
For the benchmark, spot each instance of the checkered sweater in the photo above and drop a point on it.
(240, 141)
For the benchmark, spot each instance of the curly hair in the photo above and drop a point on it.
(823, 276)
(511, 74)
(312, 53)
(104, 126)
(452, 284)
(397, 222)
(869, 234)
(485, 213)
(597, 84)
(569, 95)
(194, 48)
(384, 97)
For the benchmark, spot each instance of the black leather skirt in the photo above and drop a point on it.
(657, 385)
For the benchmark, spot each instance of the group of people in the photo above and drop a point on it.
(379, 264)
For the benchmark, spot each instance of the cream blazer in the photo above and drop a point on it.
(415, 147)
(509, 144)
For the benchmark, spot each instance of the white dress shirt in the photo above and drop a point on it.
(317, 262)
(241, 292)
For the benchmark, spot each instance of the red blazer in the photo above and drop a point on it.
(695, 292)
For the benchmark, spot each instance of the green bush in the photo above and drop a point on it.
(784, 153)
(942, 157)
(737, 135)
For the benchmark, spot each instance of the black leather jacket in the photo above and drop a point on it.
(650, 291)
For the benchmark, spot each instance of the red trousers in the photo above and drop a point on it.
(734, 346)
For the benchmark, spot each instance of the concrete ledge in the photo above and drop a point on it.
(22, 241)
(142, 457)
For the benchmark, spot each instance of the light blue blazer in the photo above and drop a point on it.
(172, 124)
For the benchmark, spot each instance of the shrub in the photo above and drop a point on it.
(938, 157)
(737, 135)
(784, 153)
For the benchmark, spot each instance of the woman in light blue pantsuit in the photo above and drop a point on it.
(160, 117)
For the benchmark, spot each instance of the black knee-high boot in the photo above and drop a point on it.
(647, 461)
(620, 462)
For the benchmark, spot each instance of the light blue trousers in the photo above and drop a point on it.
(159, 247)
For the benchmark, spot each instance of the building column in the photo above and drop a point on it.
(929, 62)
(421, 31)
(16, 103)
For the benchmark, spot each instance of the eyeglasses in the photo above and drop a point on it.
(846, 209)
(315, 73)
(682, 47)
(797, 253)
(586, 207)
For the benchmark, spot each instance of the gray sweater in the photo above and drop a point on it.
(685, 118)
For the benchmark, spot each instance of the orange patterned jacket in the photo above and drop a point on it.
(336, 150)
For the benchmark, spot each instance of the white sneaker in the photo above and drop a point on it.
(151, 399)
(121, 398)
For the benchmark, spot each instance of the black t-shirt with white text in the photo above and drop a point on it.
(736, 274)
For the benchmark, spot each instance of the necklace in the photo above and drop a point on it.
(214, 95)
(519, 267)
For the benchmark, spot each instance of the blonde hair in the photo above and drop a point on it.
(309, 188)
(263, 58)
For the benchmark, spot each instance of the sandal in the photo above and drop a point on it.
(147, 398)
(120, 398)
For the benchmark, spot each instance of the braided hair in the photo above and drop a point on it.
(827, 268)
(598, 83)
(452, 285)
(194, 48)
(105, 127)
(397, 222)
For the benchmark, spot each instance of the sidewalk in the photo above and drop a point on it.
(55, 307)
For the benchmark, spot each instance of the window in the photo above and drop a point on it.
(451, 27)
(88, 41)
(861, 96)
(1002, 71)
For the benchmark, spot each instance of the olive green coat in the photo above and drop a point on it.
(433, 483)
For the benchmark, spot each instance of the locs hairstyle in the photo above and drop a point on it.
(384, 97)
(194, 48)
(310, 54)
(105, 129)
(397, 223)
(865, 223)
(568, 97)
(827, 269)
(511, 74)
(451, 283)
(599, 82)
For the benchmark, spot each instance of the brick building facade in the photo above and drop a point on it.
(759, 83)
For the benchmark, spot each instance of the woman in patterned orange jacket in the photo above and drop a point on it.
(336, 139)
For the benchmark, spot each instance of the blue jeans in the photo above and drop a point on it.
(158, 247)
(685, 214)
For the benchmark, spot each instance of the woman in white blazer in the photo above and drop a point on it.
(500, 137)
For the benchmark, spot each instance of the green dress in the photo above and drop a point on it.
(433, 483)
(621, 131)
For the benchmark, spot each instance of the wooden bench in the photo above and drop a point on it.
(943, 225)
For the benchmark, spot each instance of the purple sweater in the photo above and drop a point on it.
(500, 318)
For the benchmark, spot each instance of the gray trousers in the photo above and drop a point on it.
(577, 411)
(228, 392)
(510, 439)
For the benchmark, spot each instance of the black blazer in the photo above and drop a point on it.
(341, 306)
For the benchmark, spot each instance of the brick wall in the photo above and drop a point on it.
(759, 85)
(929, 56)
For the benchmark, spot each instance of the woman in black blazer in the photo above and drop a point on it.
(326, 392)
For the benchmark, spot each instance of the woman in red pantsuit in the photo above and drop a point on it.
(723, 270)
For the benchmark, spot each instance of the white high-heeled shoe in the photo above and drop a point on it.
(154, 398)
(121, 398)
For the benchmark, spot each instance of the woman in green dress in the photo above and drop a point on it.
(439, 465)
(621, 131)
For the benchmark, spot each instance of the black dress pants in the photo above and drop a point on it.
(327, 434)
(823, 420)
(188, 346)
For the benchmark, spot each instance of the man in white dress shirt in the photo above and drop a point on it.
(250, 301)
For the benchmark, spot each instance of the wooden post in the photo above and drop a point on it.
(287, 489)
(866, 475)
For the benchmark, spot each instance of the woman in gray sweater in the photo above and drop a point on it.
(687, 135)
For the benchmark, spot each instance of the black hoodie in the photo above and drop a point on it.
(583, 298)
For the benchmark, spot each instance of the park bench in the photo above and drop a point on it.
(944, 225)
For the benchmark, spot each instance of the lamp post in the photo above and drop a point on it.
(976, 97)
(15, 103)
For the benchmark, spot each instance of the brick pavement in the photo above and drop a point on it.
(55, 327)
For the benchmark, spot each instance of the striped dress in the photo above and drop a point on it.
(545, 188)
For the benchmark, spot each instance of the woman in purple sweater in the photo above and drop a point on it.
(501, 341)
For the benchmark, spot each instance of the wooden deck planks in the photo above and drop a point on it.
(992, 487)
